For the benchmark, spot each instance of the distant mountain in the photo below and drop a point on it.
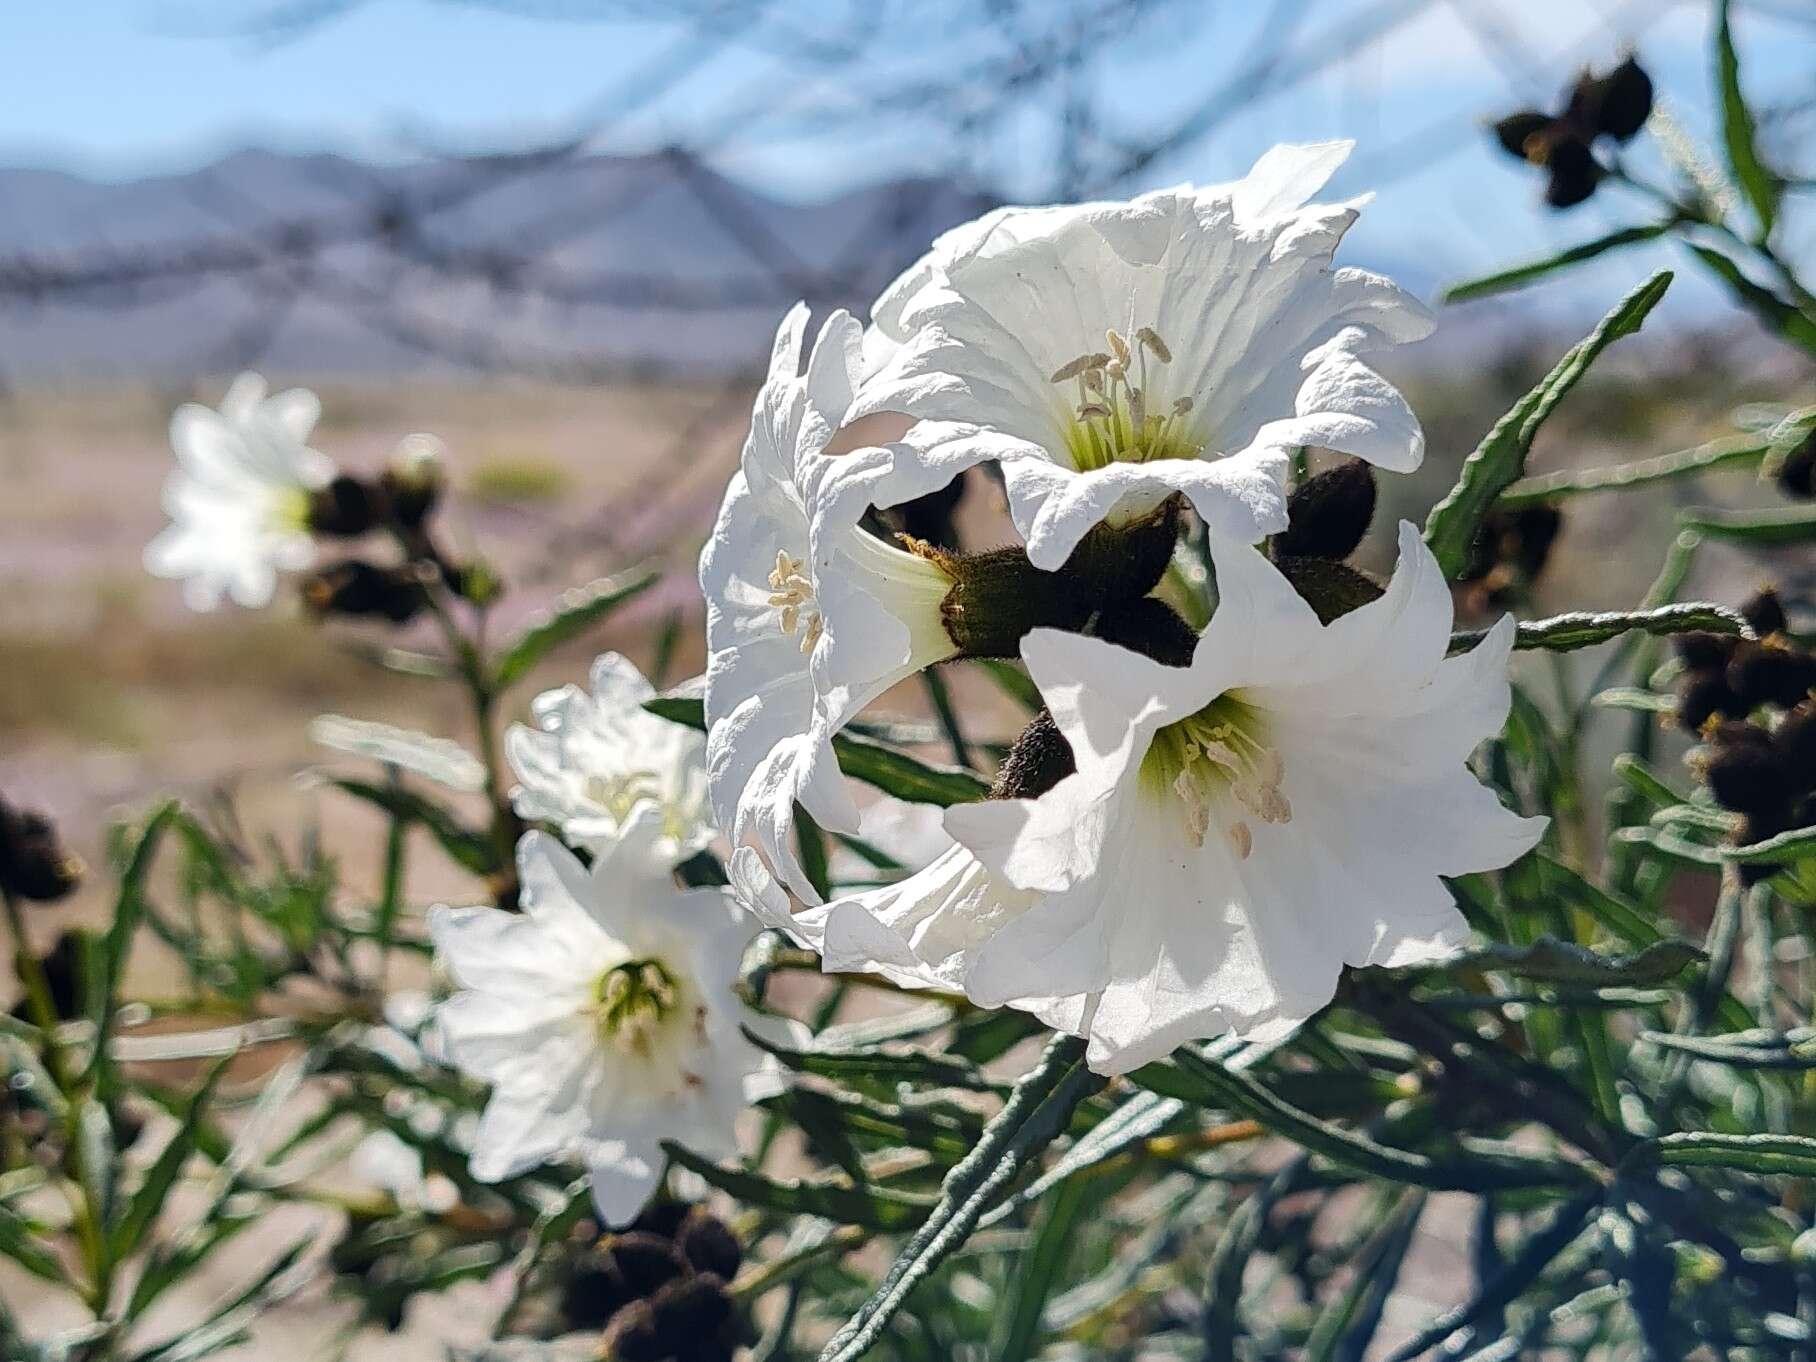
(318, 264)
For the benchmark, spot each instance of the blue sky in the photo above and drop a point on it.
(136, 87)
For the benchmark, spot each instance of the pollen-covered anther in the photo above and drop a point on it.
(791, 593)
(1218, 752)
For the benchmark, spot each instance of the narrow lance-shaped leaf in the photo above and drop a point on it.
(575, 612)
(1501, 457)
(129, 909)
(1683, 463)
(467, 848)
(1793, 1154)
(1534, 270)
(875, 1207)
(1551, 961)
(148, 1200)
(1778, 315)
(1768, 529)
(892, 772)
(1586, 628)
(1737, 129)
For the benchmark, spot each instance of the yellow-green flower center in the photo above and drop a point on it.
(290, 511)
(632, 1000)
(1216, 756)
(1120, 411)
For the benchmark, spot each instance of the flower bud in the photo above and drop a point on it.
(1765, 674)
(1327, 517)
(33, 862)
(1795, 743)
(1744, 774)
(708, 1244)
(1704, 696)
(1331, 589)
(345, 509)
(1765, 613)
(414, 481)
(1522, 135)
(1574, 173)
(1614, 105)
(1040, 758)
(355, 588)
(1703, 652)
(1797, 473)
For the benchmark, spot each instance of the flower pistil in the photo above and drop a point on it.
(634, 999)
(1118, 415)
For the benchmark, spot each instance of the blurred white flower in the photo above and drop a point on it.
(1109, 355)
(240, 495)
(604, 1016)
(808, 616)
(1240, 829)
(441, 760)
(593, 760)
(385, 1161)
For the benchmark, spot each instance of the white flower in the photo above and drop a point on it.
(385, 1161)
(592, 761)
(239, 498)
(1112, 354)
(1240, 829)
(808, 616)
(603, 1015)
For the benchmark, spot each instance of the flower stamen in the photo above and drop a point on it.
(633, 1000)
(1117, 416)
(1221, 750)
(791, 593)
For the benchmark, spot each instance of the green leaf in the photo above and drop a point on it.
(1561, 962)
(1587, 628)
(229, 1321)
(1501, 457)
(1751, 1049)
(1570, 482)
(1763, 528)
(129, 908)
(1347, 1326)
(575, 612)
(17, 1243)
(873, 1207)
(125, 1233)
(892, 772)
(1761, 187)
(1785, 849)
(1219, 1087)
(1531, 272)
(1778, 315)
(468, 849)
(1793, 1154)
(1036, 1272)
(879, 1065)
(1535, 1255)
(1038, 1109)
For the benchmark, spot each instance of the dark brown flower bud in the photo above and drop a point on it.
(708, 1244)
(1039, 760)
(1795, 743)
(33, 862)
(1797, 474)
(355, 588)
(1574, 173)
(1331, 589)
(345, 509)
(1704, 696)
(1765, 674)
(632, 1336)
(62, 966)
(1327, 517)
(1614, 105)
(1702, 652)
(1522, 135)
(643, 1262)
(1744, 774)
(697, 1318)
(413, 483)
(1765, 612)
(662, 1218)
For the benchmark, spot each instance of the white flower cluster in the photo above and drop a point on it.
(1232, 832)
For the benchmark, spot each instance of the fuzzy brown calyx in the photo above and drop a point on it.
(1331, 589)
(998, 596)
